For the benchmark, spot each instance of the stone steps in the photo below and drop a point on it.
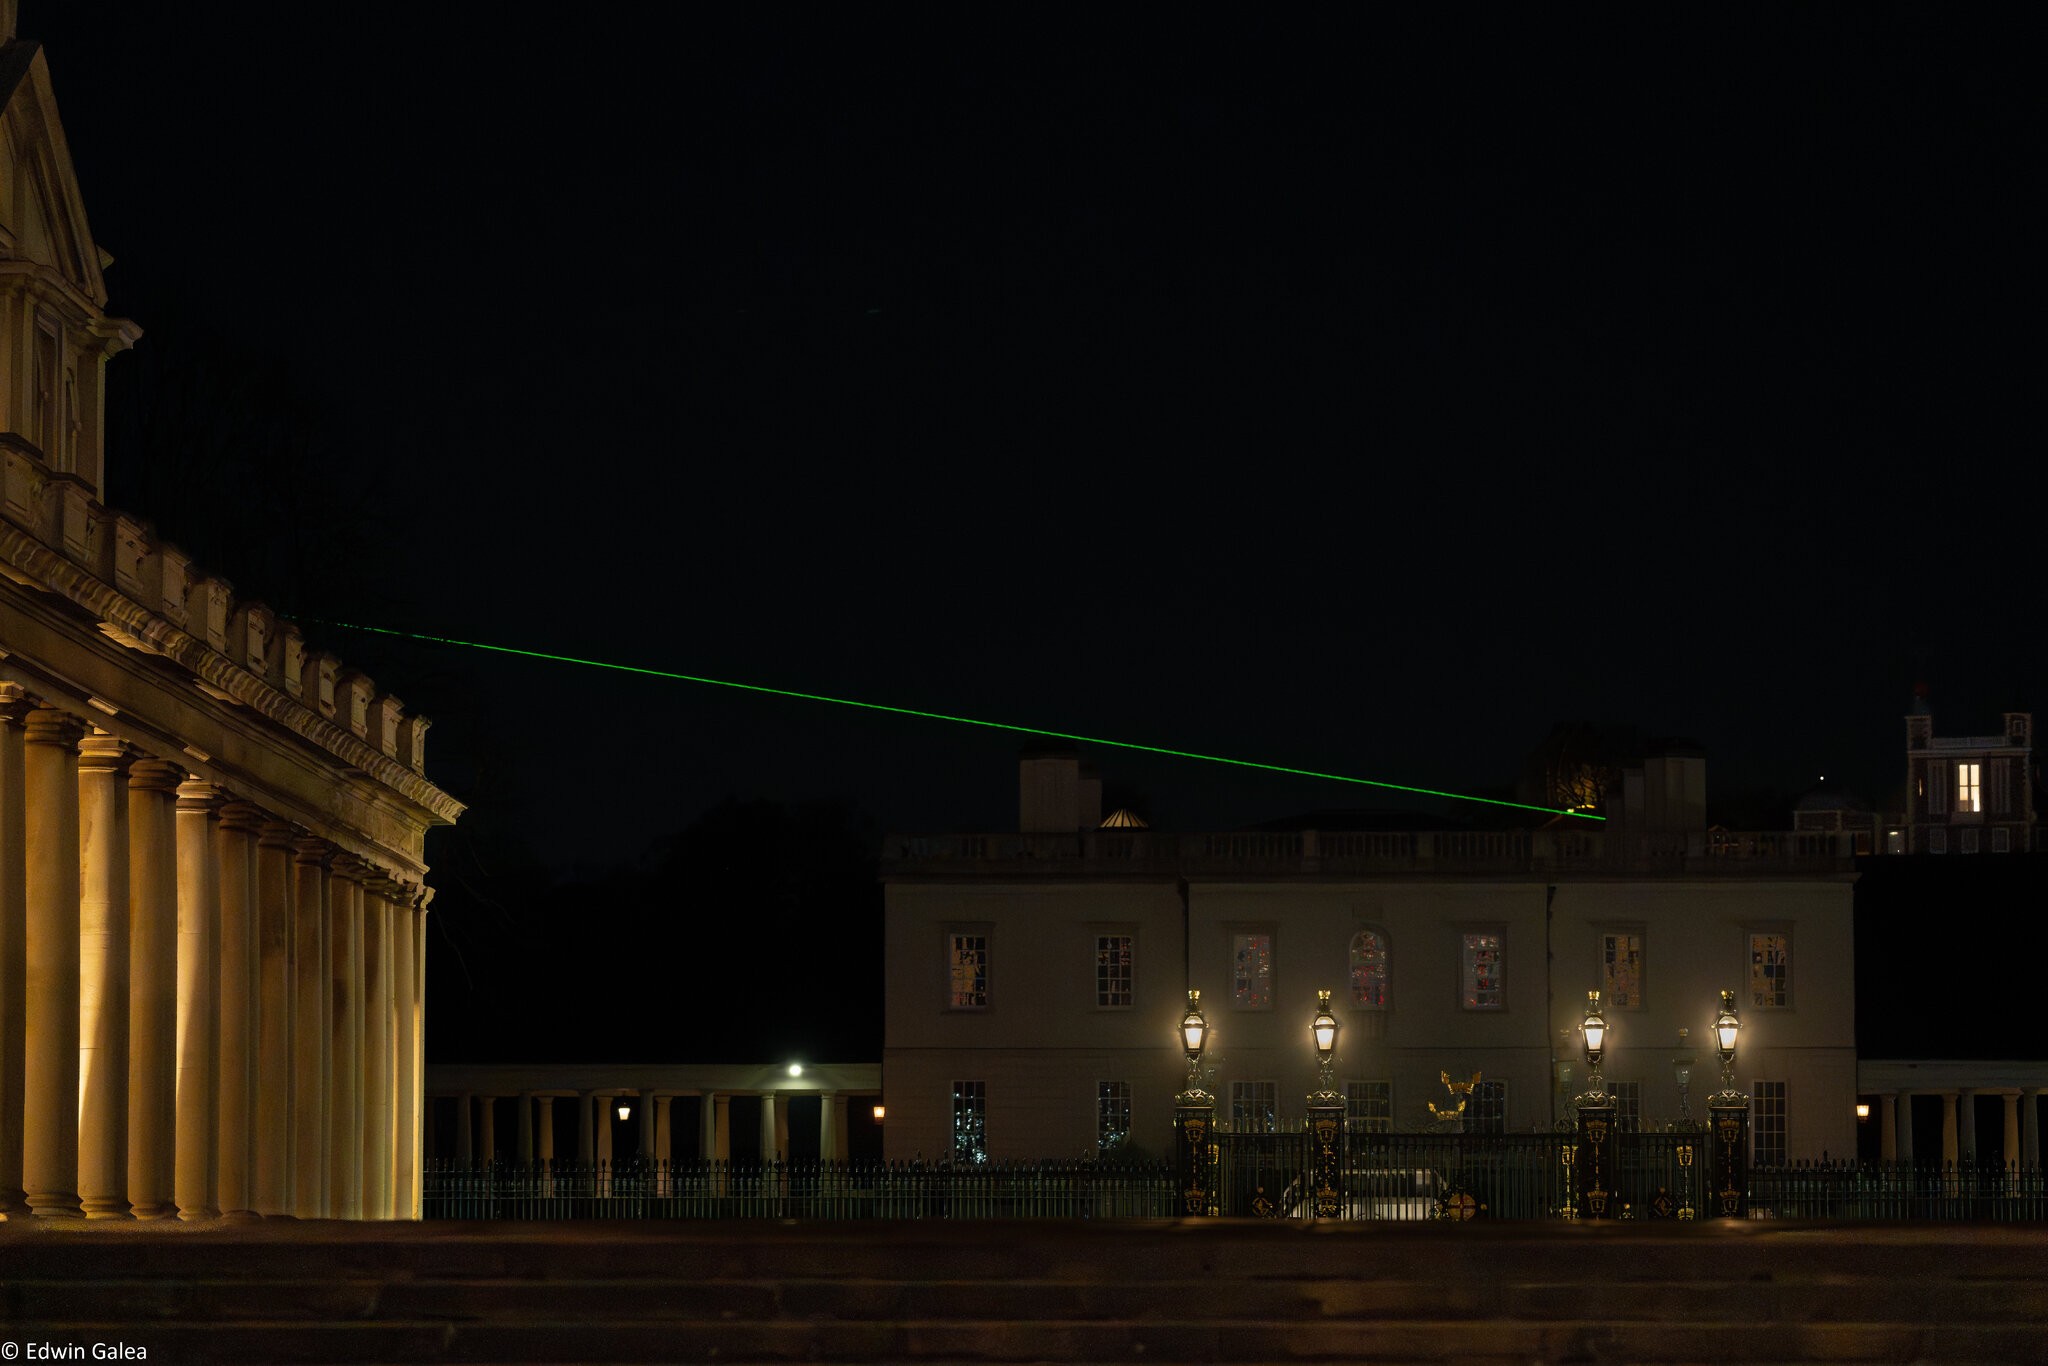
(1218, 1291)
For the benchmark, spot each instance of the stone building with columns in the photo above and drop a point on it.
(673, 1111)
(212, 835)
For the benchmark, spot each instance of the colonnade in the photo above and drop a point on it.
(1959, 1140)
(205, 1011)
(475, 1137)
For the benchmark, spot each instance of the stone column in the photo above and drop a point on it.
(707, 1127)
(664, 1117)
(604, 1127)
(377, 1068)
(721, 1130)
(546, 1122)
(273, 1119)
(2009, 1152)
(586, 1128)
(1905, 1126)
(2030, 1128)
(152, 986)
(650, 1120)
(828, 1133)
(769, 1147)
(1966, 1127)
(103, 976)
(405, 1081)
(487, 1131)
(1951, 1152)
(195, 1167)
(345, 1031)
(310, 1012)
(1888, 1114)
(14, 709)
(235, 844)
(49, 1147)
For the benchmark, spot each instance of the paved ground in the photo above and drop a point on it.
(1092, 1291)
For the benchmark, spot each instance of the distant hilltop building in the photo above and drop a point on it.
(212, 835)
(1967, 794)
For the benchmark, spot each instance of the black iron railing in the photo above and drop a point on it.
(1661, 1175)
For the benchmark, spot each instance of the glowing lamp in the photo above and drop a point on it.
(1324, 1028)
(1595, 1030)
(1726, 1027)
(1194, 1027)
(1862, 1112)
(878, 1114)
(625, 1111)
(796, 1069)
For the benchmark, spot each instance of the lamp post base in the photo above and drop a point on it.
(1194, 1146)
(1593, 1165)
(1326, 1152)
(1728, 1139)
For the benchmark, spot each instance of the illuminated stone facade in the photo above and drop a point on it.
(211, 838)
(1035, 980)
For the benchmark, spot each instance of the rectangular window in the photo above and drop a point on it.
(1255, 1107)
(967, 964)
(1628, 1105)
(970, 1121)
(1621, 969)
(1487, 1111)
(1482, 989)
(2001, 841)
(1369, 1107)
(1970, 841)
(1112, 1115)
(1768, 1149)
(1770, 971)
(1112, 970)
(1251, 971)
(1968, 777)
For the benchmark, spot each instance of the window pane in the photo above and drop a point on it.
(1112, 1114)
(1769, 1133)
(1628, 1105)
(1770, 971)
(1482, 972)
(970, 1128)
(1369, 970)
(1487, 1111)
(1252, 969)
(1967, 786)
(1621, 969)
(1369, 1107)
(1113, 970)
(968, 955)
(1255, 1107)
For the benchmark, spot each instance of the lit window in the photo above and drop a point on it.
(1487, 1111)
(1628, 1105)
(970, 1121)
(1369, 1107)
(1369, 970)
(1482, 972)
(1251, 972)
(1966, 787)
(1769, 1130)
(1255, 1107)
(967, 962)
(1621, 969)
(1112, 970)
(1112, 1115)
(1770, 971)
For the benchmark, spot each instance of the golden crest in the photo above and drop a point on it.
(1685, 1154)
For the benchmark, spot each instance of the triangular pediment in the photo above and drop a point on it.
(42, 214)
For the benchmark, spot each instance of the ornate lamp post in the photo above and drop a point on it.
(1681, 1072)
(1194, 1116)
(1728, 1117)
(1595, 1161)
(1326, 1116)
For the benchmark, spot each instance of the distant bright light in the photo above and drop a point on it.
(796, 1069)
(878, 1114)
(1862, 1111)
(957, 720)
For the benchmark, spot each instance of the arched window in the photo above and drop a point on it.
(1369, 970)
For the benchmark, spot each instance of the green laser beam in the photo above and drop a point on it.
(958, 720)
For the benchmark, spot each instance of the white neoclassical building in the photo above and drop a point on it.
(1036, 979)
(211, 836)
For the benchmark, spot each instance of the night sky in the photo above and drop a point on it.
(1369, 398)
